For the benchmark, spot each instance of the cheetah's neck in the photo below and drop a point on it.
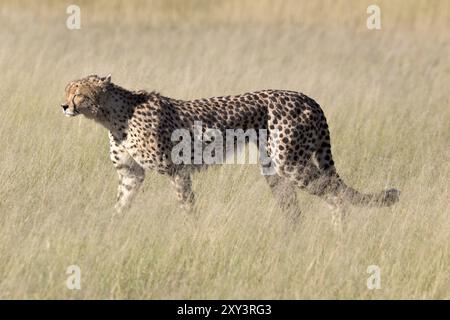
(117, 108)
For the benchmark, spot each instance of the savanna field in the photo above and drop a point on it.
(386, 96)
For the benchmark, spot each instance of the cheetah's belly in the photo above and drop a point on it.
(149, 156)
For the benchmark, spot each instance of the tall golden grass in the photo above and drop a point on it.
(386, 97)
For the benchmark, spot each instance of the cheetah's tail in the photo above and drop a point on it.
(385, 198)
(338, 187)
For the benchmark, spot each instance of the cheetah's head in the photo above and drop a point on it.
(83, 96)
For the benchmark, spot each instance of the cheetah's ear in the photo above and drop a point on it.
(107, 79)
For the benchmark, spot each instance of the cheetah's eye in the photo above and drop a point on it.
(77, 99)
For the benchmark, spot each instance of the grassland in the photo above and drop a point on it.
(385, 94)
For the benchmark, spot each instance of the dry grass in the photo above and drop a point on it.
(386, 97)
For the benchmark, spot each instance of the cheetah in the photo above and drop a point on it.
(141, 125)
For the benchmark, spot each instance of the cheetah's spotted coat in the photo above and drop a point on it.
(140, 125)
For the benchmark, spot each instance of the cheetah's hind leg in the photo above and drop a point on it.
(285, 195)
(183, 185)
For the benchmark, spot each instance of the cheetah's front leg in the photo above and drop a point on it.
(130, 179)
(131, 175)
